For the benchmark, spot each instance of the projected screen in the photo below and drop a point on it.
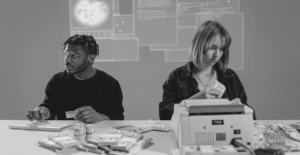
(121, 26)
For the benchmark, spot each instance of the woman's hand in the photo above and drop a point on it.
(208, 93)
(236, 101)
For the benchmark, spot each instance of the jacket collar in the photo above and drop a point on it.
(187, 71)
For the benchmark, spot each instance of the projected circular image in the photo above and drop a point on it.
(91, 12)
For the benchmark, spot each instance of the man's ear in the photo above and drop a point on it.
(91, 58)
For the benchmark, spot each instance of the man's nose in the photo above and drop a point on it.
(67, 58)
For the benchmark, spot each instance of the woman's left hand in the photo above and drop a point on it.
(236, 101)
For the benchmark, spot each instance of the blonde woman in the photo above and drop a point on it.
(209, 56)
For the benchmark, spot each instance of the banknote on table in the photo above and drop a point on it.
(113, 131)
(134, 135)
(49, 143)
(276, 141)
(152, 125)
(224, 150)
(296, 126)
(145, 126)
(109, 139)
(67, 150)
(117, 153)
(290, 131)
(79, 133)
(125, 144)
(94, 140)
(90, 146)
(127, 141)
(219, 86)
(90, 130)
(176, 152)
(207, 150)
(94, 148)
(161, 128)
(140, 145)
(81, 148)
(64, 140)
(191, 150)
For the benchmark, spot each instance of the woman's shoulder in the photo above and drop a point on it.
(229, 73)
(181, 71)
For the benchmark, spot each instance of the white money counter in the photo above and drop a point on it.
(211, 122)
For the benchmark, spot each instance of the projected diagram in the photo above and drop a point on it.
(121, 26)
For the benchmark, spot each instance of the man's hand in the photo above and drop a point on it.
(87, 114)
(208, 93)
(39, 114)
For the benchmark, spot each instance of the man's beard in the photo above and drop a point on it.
(79, 69)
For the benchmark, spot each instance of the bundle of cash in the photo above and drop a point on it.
(93, 148)
(117, 153)
(127, 141)
(125, 144)
(296, 126)
(161, 126)
(78, 124)
(80, 133)
(210, 150)
(49, 143)
(225, 150)
(140, 145)
(134, 135)
(191, 150)
(89, 131)
(64, 140)
(81, 148)
(276, 141)
(207, 150)
(94, 140)
(219, 86)
(112, 137)
(152, 125)
(90, 146)
(176, 152)
(289, 130)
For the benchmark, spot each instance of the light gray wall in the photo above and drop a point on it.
(32, 33)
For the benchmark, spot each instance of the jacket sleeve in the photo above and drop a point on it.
(50, 99)
(115, 97)
(170, 97)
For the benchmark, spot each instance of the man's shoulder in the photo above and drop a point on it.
(59, 76)
(105, 76)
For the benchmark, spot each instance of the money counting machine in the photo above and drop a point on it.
(212, 122)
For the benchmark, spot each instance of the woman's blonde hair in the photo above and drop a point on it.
(201, 42)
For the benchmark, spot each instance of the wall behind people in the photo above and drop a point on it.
(32, 33)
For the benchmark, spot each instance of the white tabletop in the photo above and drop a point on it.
(25, 142)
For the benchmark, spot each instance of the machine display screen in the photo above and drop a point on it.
(217, 122)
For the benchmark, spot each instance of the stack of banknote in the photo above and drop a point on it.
(64, 140)
(127, 141)
(152, 125)
(209, 150)
(112, 137)
(61, 144)
(270, 133)
(220, 87)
